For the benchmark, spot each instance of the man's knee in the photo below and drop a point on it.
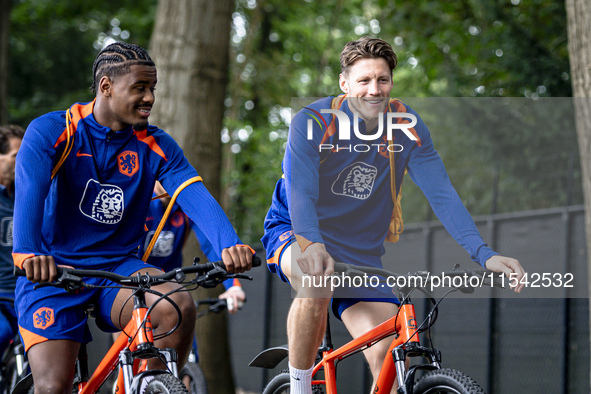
(165, 312)
(376, 354)
(53, 384)
(311, 308)
(188, 312)
(52, 363)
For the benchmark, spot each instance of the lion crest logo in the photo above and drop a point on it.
(43, 318)
(102, 202)
(355, 181)
(6, 231)
(128, 163)
(164, 244)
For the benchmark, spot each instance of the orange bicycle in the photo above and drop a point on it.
(137, 345)
(403, 326)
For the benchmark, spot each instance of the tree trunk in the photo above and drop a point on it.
(190, 47)
(5, 7)
(579, 48)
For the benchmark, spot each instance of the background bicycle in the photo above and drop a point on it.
(14, 365)
(191, 373)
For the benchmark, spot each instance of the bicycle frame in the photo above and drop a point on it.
(124, 350)
(141, 342)
(406, 342)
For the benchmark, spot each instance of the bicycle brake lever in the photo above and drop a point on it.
(214, 277)
(239, 276)
(69, 283)
(47, 284)
(466, 289)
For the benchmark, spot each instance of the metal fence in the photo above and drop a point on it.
(534, 342)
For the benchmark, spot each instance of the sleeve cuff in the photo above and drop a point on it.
(19, 258)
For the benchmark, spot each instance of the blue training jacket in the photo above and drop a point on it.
(92, 213)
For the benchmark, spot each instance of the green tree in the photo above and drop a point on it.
(53, 46)
(579, 31)
(5, 8)
(190, 47)
(446, 49)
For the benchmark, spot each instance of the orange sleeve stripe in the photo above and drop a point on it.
(150, 141)
(78, 111)
(303, 242)
(19, 258)
(246, 246)
(30, 338)
(236, 282)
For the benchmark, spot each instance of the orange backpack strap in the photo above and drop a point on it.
(69, 143)
(73, 115)
(166, 213)
(396, 224)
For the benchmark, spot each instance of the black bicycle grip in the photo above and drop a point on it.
(256, 261)
(21, 272)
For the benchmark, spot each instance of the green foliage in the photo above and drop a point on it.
(281, 50)
(471, 48)
(53, 45)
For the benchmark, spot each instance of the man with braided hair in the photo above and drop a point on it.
(85, 177)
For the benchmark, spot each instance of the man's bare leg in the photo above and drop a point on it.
(306, 322)
(362, 317)
(164, 317)
(52, 365)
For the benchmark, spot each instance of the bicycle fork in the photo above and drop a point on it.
(19, 356)
(410, 347)
(143, 345)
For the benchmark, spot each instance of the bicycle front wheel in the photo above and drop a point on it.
(279, 384)
(165, 384)
(447, 381)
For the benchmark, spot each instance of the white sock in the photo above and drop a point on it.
(300, 380)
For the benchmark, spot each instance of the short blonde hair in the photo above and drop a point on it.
(367, 48)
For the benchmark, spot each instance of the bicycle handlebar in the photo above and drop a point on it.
(75, 275)
(217, 305)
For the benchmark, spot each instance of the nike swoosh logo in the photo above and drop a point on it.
(78, 154)
(294, 378)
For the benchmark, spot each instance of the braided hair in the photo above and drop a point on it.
(116, 59)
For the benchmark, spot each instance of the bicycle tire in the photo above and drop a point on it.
(279, 384)
(8, 376)
(165, 384)
(447, 381)
(194, 372)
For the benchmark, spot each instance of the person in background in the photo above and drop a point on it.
(11, 137)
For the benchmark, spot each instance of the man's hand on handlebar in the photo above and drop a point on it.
(40, 269)
(237, 259)
(315, 261)
(509, 267)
